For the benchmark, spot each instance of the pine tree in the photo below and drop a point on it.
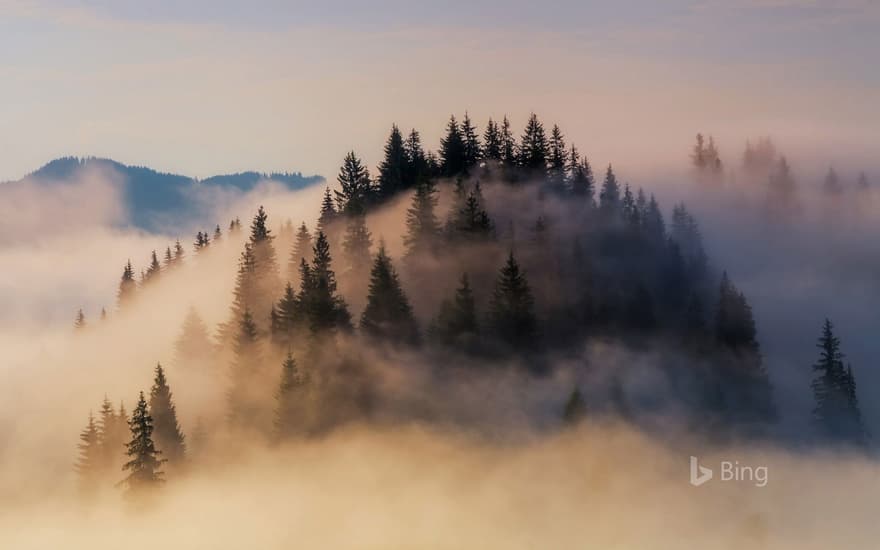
(422, 226)
(291, 408)
(534, 149)
(580, 174)
(356, 244)
(472, 222)
(112, 434)
(575, 408)
(193, 347)
(265, 282)
(655, 226)
(302, 250)
(452, 150)
(557, 161)
(392, 169)
(836, 415)
(473, 151)
(289, 313)
(88, 464)
(609, 197)
(511, 309)
(245, 397)
(169, 440)
(144, 462)
(355, 189)
(80, 321)
(418, 170)
(457, 319)
(492, 140)
(127, 286)
(388, 315)
(154, 269)
(328, 212)
(508, 144)
(323, 308)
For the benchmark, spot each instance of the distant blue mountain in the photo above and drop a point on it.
(155, 200)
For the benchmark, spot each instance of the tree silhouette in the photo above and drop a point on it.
(168, 436)
(511, 309)
(388, 315)
(144, 462)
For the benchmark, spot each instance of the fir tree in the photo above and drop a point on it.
(418, 170)
(422, 226)
(575, 408)
(178, 253)
(193, 347)
(457, 319)
(452, 150)
(511, 309)
(388, 314)
(355, 189)
(492, 140)
(392, 169)
(169, 440)
(534, 149)
(265, 282)
(508, 144)
(323, 308)
(290, 412)
(127, 286)
(88, 463)
(472, 222)
(580, 173)
(288, 312)
(473, 150)
(328, 212)
(80, 321)
(154, 268)
(112, 434)
(609, 197)
(144, 462)
(836, 414)
(245, 398)
(557, 161)
(218, 235)
(302, 250)
(356, 244)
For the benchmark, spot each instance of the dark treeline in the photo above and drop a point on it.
(531, 259)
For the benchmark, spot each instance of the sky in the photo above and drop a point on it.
(205, 87)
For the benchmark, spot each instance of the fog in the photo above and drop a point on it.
(499, 471)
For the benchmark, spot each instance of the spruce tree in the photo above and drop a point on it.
(218, 235)
(473, 150)
(169, 259)
(609, 196)
(557, 161)
(388, 315)
(80, 321)
(452, 150)
(472, 222)
(127, 286)
(836, 415)
(193, 347)
(144, 462)
(581, 180)
(422, 226)
(167, 435)
(178, 253)
(534, 149)
(392, 169)
(356, 244)
(575, 408)
(291, 406)
(511, 309)
(492, 141)
(154, 268)
(88, 463)
(457, 319)
(323, 308)
(508, 144)
(418, 170)
(302, 250)
(328, 212)
(355, 188)
(245, 398)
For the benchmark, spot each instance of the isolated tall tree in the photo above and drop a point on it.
(291, 405)
(609, 196)
(492, 141)
(422, 226)
(88, 464)
(144, 462)
(511, 309)
(836, 414)
(392, 169)
(453, 160)
(534, 149)
(457, 319)
(473, 150)
(167, 434)
(355, 188)
(127, 286)
(388, 315)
